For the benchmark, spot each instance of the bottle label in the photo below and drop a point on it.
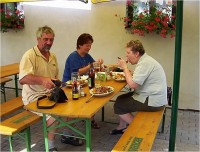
(75, 96)
(89, 82)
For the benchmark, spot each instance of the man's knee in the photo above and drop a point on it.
(51, 121)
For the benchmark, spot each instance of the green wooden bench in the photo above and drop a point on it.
(11, 106)
(141, 133)
(19, 124)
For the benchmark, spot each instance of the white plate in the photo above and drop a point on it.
(120, 78)
(114, 73)
(69, 83)
(103, 94)
(84, 77)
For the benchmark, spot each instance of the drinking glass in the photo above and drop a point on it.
(96, 67)
(101, 78)
(108, 74)
(74, 76)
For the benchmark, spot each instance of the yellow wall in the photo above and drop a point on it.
(110, 38)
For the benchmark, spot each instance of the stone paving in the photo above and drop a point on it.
(187, 137)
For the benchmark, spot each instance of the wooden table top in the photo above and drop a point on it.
(78, 108)
(10, 69)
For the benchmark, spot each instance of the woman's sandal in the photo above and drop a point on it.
(115, 131)
(94, 125)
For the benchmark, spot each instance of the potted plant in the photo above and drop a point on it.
(11, 19)
(155, 19)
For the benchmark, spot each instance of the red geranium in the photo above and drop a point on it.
(154, 20)
(11, 20)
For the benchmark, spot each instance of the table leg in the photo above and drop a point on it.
(88, 135)
(45, 133)
(102, 114)
(16, 85)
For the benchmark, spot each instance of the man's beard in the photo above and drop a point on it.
(46, 48)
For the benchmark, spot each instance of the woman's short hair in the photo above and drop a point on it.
(136, 46)
(84, 39)
(45, 29)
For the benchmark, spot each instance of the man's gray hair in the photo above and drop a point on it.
(45, 29)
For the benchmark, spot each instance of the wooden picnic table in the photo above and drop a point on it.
(9, 70)
(77, 109)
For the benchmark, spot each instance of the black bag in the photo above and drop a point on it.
(57, 95)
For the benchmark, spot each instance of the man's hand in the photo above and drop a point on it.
(31, 79)
(47, 83)
(122, 63)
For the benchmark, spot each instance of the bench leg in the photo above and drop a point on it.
(163, 121)
(28, 139)
(3, 91)
(16, 86)
(10, 143)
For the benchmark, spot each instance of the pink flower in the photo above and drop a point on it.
(135, 31)
(155, 26)
(149, 28)
(134, 23)
(163, 35)
(159, 12)
(164, 23)
(7, 16)
(163, 31)
(17, 11)
(141, 32)
(166, 18)
(173, 26)
(173, 17)
(126, 19)
(129, 2)
(20, 27)
(172, 35)
(141, 15)
(157, 19)
(152, 23)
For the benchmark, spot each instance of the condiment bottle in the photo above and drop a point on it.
(91, 77)
(75, 92)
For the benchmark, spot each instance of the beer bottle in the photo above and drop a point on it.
(91, 77)
(75, 92)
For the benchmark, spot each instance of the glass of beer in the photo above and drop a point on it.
(97, 67)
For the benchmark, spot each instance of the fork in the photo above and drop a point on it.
(89, 99)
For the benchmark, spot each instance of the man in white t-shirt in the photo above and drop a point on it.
(148, 81)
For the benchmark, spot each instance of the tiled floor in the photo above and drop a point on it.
(187, 137)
